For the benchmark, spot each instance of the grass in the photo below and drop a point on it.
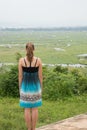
(45, 42)
(12, 116)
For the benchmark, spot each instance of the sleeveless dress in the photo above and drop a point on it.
(30, 90)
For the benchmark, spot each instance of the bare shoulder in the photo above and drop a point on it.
(39, 61)
(21, 61)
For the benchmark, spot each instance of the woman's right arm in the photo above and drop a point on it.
(20, 73)
(40, 73)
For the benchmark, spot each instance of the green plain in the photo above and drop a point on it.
(73, 43)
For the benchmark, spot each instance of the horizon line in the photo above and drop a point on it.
(55, 27)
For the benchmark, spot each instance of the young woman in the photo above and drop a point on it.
(30, 86)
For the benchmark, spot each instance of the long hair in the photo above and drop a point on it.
(29, 49)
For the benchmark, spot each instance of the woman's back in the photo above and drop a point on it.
(30, 66)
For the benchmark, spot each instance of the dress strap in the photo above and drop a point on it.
(36, 62)
(30, 63)
(25, 62)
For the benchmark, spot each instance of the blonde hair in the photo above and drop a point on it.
(29, 49)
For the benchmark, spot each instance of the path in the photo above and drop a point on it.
(74, 123)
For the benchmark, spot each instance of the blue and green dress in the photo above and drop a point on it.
(30, 90)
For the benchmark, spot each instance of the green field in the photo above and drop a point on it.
(12, 116)
(73, 43)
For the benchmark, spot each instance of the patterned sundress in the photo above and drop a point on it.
(30, 90)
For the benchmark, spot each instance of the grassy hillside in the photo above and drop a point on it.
(12, 116)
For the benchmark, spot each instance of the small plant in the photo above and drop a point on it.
(18, 56)
(60, 69)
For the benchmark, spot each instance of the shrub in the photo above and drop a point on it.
(18, 56)
(60, 69)
(58, 86)
(9, 83)
(82, 82)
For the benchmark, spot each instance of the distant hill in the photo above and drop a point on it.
(47, 29)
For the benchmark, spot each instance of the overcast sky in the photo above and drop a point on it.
(43, 13)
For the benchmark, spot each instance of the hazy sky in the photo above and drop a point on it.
(43, 13)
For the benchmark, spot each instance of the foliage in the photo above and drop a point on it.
(58, 83)
(81, 81)
(60, 69)
(18, 56)
(9, 83)
(58, 86)
(62, 82)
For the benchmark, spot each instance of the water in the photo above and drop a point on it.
(63, 65)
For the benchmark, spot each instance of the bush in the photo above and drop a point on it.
(9, 83)
(57, 83)
(60, 69)
(82, 82)
(58, 86)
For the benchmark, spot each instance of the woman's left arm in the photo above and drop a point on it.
(20, 73)
(40, 73)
